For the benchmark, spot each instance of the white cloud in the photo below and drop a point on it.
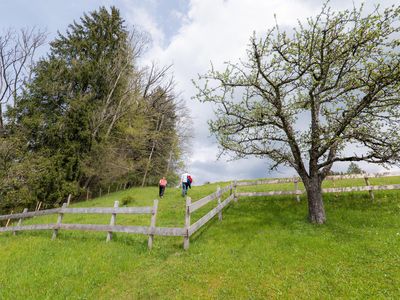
(139, 16)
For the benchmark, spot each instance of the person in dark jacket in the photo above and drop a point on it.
(186, 182)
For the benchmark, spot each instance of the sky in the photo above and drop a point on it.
(189, 35)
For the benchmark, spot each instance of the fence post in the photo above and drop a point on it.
(296, 187)
(59, 221)
(8, 221)
(219, 203)
(187, 224)
(334, 186)
(371, 193)
(152, 224)
(20, 220)
(100, 192)
(87, 194)
(69, 199)
(235, 197)
(112, 222)
(108, 190)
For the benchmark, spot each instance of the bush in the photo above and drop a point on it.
(127, 200)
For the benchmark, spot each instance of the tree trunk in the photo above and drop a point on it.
(1, 121)
(158, 129)
(316, 210)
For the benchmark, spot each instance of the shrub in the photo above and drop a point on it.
(127, 200)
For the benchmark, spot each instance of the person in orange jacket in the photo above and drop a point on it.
(162, 184)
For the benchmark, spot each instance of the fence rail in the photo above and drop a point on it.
(203, 220)
(90, 210)
(108, 210)
(332, 177)
(30, 214)
(190, 229)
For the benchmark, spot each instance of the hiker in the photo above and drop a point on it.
(186, 181)
(162, 184)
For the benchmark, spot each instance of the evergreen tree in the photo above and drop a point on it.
(354, 169)
(89, 117)
(86, 70)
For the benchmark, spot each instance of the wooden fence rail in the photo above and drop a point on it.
(326, 190)
(189, 228)
(333, 177)
(147, 230)
(161, 231)
(25, 215)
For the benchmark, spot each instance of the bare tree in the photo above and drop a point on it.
(158, 93)
(300, 99)
(166, 106)
(123, 69)
(17, 52)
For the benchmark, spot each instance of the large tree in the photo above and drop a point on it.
(91, 116)
(302, 97)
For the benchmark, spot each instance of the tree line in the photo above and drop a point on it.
(86, 115)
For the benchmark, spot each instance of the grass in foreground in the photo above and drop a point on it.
(263, 248)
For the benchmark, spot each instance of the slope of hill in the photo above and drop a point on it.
(263, 248)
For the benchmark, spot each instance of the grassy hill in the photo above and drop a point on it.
(263, 248)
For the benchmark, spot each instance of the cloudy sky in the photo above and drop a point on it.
(190, 34)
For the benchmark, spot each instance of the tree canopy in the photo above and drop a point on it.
(90, 116)
(303, 96)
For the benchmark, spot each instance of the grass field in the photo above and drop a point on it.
(263, 248)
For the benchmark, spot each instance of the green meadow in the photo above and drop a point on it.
(263, 248)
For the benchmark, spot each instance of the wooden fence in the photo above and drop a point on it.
(189, 229)
(297, 192)
(150, 230)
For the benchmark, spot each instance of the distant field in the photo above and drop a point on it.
(263, 248)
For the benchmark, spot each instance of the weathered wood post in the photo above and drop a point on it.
(296, 187)
(371, 193)
(235, 197)
(8, 221)
(152, 224)
(108, 190)
(20, 220)
(187, 224)
(59, 221)
(334, 186)
(69, 199)
(87, 194)
(112, 222)
(100, 192)
(219, 203)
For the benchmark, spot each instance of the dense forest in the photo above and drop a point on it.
(87, 115)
